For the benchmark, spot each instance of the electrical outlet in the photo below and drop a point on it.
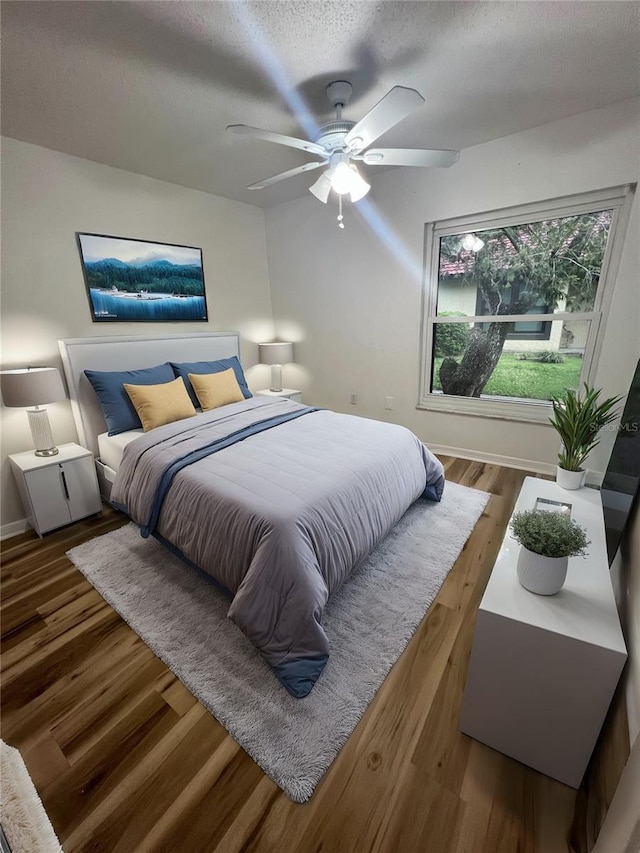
(388, 402)
(354, 399)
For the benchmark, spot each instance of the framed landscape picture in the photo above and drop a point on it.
(139, 281)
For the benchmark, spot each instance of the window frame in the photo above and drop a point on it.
(544, 334)
(618, 199)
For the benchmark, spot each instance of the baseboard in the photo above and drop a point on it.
(494, 459)
(594, 478)
(14, 528)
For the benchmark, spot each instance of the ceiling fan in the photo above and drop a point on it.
(341, 142)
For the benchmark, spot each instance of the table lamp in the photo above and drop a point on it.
(34, 386)
(276, 354)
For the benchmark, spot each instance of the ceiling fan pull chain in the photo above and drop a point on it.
(340, 216)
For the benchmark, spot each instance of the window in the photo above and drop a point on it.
(551, 262)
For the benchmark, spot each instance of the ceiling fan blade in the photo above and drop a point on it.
(291, 141)
(408, 157)
(306, 167)
(397, 104)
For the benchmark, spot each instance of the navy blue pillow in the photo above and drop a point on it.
(118, 410)
(185, 368)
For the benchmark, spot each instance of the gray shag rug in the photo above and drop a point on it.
(24, 820)
(370, 620)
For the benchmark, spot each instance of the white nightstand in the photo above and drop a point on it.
(57, 490)
(289, 393)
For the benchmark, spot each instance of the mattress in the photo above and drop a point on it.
(112, 447)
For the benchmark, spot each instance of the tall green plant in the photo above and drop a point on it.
(578, 420)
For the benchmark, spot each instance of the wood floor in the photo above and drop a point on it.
(125, 759)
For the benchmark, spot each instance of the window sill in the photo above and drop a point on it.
(502, 409)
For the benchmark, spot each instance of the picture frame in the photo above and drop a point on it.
(563, 507)
(142, 281)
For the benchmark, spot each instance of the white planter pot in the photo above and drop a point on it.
(570, 479)
(539, 574)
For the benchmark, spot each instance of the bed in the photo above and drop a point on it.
(275, 501)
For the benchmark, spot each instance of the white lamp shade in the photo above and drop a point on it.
(321, 188)
(280, 352)
(345, 178)
(31, 386)
(359, 187)
(342, 178)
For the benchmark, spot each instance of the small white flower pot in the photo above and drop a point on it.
(570, 479)
(539, 574)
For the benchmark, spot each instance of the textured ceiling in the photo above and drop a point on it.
(150, 86)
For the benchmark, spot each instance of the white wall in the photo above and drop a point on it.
(353, 305)
(46, 198)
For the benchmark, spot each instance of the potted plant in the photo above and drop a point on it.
(578, 419)
(547, 539)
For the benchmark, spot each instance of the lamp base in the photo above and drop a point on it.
(276, 378)
(41, 432)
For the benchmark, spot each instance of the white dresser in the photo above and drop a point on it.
(543, 669)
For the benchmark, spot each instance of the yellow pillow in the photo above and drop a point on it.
(161, 404)
(216, 389)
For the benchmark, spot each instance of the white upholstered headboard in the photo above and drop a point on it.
(129, 352)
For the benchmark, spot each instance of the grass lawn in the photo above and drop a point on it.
(532, 380)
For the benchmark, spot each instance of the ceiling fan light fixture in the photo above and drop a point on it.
(321, 188)
(346, 179)
(341, 178)
(359, 187)
(472, 243)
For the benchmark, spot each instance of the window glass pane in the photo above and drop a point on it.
(521, 369)
(537, 268)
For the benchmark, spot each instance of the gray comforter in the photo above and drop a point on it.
(280, 518)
